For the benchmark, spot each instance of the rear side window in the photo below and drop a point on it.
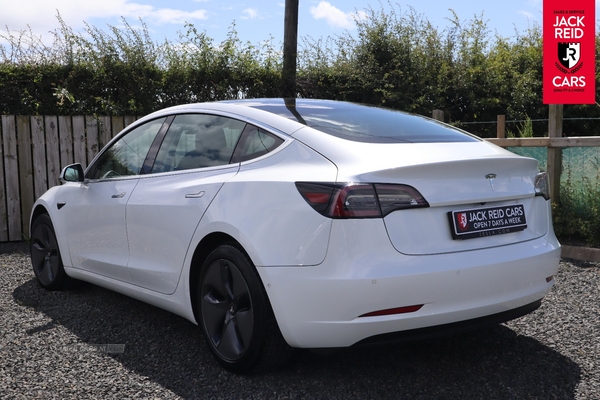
(255, 142)
(198, 141)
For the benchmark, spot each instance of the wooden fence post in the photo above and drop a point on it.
(438, 115)
(25, 172)
(555, 127)
(12, 213)
(501, 127)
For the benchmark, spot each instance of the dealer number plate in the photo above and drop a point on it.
(481, 222)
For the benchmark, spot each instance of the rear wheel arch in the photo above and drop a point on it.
(232, 308)
(209, 243)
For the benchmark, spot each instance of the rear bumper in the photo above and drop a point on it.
(452, 328)
(320, 306)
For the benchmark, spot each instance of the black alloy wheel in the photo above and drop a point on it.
(235, 314)
(45, 255)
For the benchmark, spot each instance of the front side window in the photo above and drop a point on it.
(198, 141)
(126, 156)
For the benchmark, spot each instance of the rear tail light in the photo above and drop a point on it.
(359, 200)
(542, 187)
(318, 195)
(355, 201)
(398, 197)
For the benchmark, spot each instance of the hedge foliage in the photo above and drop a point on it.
(396, 59)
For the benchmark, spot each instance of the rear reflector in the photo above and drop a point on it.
(359, 200)
(392, 311)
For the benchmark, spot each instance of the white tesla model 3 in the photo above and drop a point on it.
(279, 224)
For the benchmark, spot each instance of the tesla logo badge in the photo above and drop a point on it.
(490, 178)
(462, 221)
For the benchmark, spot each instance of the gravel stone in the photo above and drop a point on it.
(92, 343)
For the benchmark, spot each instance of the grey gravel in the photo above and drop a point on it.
(93, 343)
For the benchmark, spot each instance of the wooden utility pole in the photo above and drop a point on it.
(290, 48)
(438, 115)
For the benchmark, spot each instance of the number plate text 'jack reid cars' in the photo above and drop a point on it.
(278, 224)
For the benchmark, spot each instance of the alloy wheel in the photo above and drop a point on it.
(45, 256)
(227, 311)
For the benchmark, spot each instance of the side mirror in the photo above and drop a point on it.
(72, 173)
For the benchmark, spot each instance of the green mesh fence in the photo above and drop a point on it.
(577, 215)
(579, 164)
(539, 153)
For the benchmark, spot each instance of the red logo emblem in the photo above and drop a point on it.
(461, 219)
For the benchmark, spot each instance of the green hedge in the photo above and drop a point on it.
(396, 59)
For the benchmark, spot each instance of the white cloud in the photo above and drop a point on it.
(170, 16)
(360, 16)
(526, 14)
(249, 13)
(335, 17)
(40, 15)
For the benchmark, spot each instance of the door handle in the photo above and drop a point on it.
(118, 196)
(194, 195)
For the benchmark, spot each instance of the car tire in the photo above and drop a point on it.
(236, 317)
(45, 255)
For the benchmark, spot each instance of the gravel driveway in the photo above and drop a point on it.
(93, 343)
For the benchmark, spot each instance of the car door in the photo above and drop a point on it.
(167, 204)
(96, 224)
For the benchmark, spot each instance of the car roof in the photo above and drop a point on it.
(344, 120)
(361, 122)
(254, 115)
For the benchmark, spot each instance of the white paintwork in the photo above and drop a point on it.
(320, 306)
(320, 274)
(161, 220)
(275, 225)
(429, 231)
(93, 225)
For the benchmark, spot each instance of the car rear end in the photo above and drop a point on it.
(408, 269)
(427, 237)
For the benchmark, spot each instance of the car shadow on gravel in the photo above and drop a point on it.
(168, 350)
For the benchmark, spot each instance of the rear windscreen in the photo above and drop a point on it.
(363, 123)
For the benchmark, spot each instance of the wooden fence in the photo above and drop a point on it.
(34, 149)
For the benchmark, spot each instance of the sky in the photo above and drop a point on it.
(256, 21)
